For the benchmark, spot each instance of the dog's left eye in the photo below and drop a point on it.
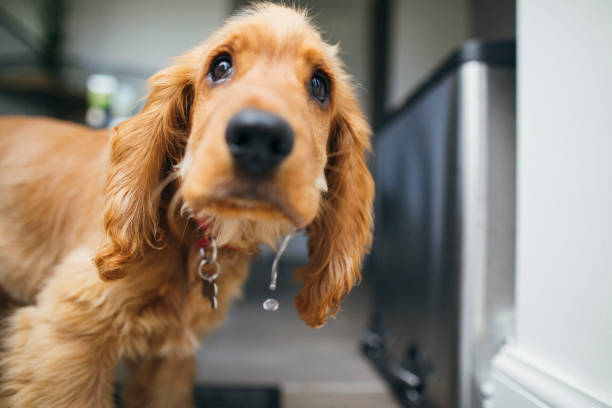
(318, 86)
(221, 68)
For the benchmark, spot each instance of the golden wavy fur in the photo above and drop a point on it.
(70, 194)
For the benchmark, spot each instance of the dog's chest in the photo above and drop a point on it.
(173, 320)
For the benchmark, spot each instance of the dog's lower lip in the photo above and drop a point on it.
(247, 202)
(254, 205)
(262, 198)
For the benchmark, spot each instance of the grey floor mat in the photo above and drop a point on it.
(214, 396)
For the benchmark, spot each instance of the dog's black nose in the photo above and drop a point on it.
(258, 140)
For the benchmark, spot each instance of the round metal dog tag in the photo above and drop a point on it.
(270, 305)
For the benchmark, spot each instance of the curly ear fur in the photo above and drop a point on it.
(140, 149)
(341, 234)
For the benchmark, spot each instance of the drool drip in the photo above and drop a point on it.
(271, 304)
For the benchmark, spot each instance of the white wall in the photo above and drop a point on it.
(347, 22)
(27, 14)
(564, 218)
(139, 35)
(493, 19)
(422, 34)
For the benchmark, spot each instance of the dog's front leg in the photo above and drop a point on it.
(48, 365)
(159, 382)
(61, 351)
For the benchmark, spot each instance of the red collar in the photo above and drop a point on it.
(204, 240)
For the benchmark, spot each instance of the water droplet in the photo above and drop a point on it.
(270, 305)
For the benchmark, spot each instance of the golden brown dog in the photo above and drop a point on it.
(255, 131)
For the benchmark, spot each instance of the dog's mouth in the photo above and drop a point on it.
(254, 200)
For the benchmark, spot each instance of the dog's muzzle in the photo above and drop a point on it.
(258, 141)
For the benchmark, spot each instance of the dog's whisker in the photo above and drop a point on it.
(338, 153)
(157, 192)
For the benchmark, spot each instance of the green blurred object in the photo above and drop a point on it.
(100, 91)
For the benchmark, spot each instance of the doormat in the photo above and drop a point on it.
(213, 396)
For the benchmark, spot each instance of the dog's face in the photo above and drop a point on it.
(259, 124)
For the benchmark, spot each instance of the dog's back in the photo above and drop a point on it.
(51, 180)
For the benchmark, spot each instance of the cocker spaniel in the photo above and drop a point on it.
(106, 238)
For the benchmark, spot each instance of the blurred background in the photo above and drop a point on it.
(490, 280)
(389, 46)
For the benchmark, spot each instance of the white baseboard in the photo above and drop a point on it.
(518, 383)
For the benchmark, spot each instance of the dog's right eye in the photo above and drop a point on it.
(221, 68)
(319, 87)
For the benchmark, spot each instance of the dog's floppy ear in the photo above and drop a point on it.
(341, 233)
(140, 149)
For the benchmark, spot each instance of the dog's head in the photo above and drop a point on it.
(262, 128)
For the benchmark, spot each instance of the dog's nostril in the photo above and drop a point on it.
(259, 141)
(242, 139)
(279, 146)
